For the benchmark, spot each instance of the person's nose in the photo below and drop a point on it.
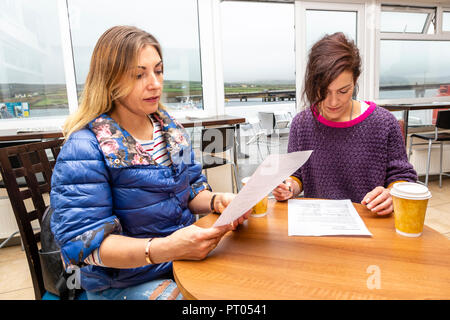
(332, 100)
(154, 82)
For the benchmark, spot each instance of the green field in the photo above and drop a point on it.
(44, 96)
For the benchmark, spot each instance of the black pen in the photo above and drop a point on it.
(290, 189)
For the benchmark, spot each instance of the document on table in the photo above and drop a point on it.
(324, 218)
(271, 172)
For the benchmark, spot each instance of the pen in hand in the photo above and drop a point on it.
(290, 188)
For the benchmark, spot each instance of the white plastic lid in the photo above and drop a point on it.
(410, 190)
(245, 180)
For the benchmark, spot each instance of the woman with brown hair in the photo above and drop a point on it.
(359, 151)
(125, 184)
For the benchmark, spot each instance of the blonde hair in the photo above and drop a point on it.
(110, 76)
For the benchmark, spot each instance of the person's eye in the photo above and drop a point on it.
(159, 72)
(139, 76)
(343, 92)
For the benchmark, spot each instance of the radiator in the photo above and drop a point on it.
(419, 158)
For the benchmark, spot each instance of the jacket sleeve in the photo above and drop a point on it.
(82, 200)
(398, 167)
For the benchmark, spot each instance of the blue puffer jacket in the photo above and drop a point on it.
(105, 183)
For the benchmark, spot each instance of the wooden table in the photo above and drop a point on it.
(411, 107)
(10, 135)
(260, 261)
(211, 121)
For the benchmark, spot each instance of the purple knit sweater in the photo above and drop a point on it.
(350, 158)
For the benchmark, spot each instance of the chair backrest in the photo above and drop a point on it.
(267, 120)
(443, 119)
(28, 168)
(280, 121)
(217, 140)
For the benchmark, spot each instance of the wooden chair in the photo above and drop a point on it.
(33, 160)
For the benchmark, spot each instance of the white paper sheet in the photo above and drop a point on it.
(324, 218)
(271, 172)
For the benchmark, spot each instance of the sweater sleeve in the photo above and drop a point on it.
(82, 200)
(398, 167)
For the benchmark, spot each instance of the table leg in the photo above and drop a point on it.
(240, 154)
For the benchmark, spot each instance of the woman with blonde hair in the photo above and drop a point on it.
(125, 184)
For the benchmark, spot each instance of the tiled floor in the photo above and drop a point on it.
(15, 279)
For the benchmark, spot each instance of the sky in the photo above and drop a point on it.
(258, 39)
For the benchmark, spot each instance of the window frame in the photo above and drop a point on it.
(364, 38)
(209, 57)
(221, 94)
(444, 9)
(69, 73)
(369, 39)
(438, 35)
(409, 9)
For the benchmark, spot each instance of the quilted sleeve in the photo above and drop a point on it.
(82, 200)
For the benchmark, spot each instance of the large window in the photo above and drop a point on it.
(413, 64)
(32, 81)
(174, 23)
(413, 68)
(258, 56)
(248, 56)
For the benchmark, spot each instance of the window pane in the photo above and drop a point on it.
(322, 22)
(174, 23)
(258, 57)
(413, 69)
(446, 21)
(32, 81)
(404, 22)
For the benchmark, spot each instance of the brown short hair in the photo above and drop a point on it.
(328, 58)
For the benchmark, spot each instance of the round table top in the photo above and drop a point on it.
(260, 261)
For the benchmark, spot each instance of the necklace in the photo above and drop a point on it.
(351, 112)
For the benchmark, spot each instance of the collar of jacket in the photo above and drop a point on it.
(120, 149)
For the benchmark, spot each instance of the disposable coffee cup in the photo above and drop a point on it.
(259, 209)
(410, 205)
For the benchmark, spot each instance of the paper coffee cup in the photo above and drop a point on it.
(410, 205)
(259, 209)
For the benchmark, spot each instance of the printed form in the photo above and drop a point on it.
(324, 218)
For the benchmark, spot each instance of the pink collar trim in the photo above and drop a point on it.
(347, 124)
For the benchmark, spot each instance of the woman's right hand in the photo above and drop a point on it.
(189, 243)
(285, 190)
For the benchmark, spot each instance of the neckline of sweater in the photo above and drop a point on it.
(347, 124)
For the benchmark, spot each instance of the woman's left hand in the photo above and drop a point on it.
(222, 200)
(379, 201)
